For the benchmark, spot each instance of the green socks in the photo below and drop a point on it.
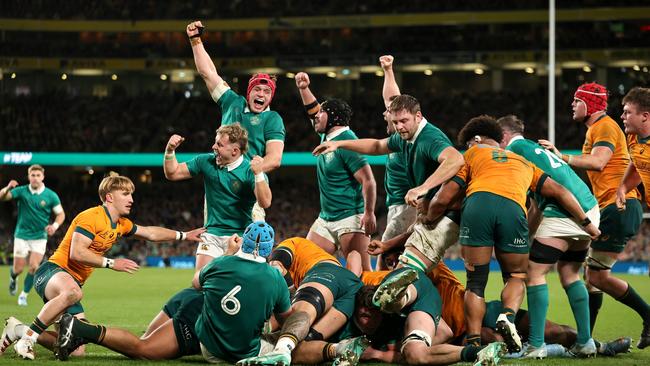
(90, 332)
(29, 283)
(579, 301)
(537, 309)
(469, 353)
(633, 300)
(595, 303)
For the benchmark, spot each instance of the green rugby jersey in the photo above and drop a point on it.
(557, 169)
(240, 294)
(261, 127)
(229, 194)
(340, 192)
(396, 183)
(34, 211)
(421, 155)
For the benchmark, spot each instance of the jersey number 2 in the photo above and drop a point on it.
(229, 303)
(552, 158)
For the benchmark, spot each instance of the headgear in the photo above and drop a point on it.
(260, 79)
(594, 96)
(338, 113)
(258, 239)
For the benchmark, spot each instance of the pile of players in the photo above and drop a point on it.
(507, 195)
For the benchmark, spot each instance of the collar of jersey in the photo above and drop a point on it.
(643, 140)
(515, 138)
(235, 164)
(421, 126)
(247, 110)
(332, 135)
(37, 191)
(250, 257)
(108, 214)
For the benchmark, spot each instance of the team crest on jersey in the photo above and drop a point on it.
(43, 203)
(329, 157)
(235, 185)
(255, 120)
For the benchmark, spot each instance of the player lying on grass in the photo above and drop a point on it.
(90, 236)
(221, 318)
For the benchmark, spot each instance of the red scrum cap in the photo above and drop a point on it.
(260, 79)
(593, 95)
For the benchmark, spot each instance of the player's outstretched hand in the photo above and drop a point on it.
(386, 62)
(376, 247)
(549, 146)
(12, 184)
(194, 28)
(195, 235)
(302, 80)
(174, 142)
(325, 147)
(257, 164)
(234, 244)
(592, 230)
(125, 265)
(369, 223)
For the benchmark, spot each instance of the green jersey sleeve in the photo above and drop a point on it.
(395, 142)
(18, 192)
(197, 164)
(229, 100)
(352, 160)
(274, 128)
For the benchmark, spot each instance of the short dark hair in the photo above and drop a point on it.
(405, 102)
(364, 296)
(640, 97)
(511, 123)
(482, 125)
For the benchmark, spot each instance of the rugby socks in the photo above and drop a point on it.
(537, 309)
(633, 300)
(579, 301)
(286, 343)
(35, 329)
(93, 333)
(595, 303)
(473, 340)
(12, 274)
(29, 283)
(469, 353)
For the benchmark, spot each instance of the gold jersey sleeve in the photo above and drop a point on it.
(96, 225)
(606, 132)
(305, 254)
(452, 293)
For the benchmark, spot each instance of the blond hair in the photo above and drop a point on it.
(35, 167)
(236, 134)
(114, 182)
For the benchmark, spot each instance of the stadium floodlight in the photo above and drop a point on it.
(379, 73)
(13, 75)
(163, 77)
(529, 70)
(290, 75)
(114, 77)
(479, 71)
(331, 74)
(428, 72)
(64, 76)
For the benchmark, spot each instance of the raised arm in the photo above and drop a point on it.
(451, 160)
(173, 170)
(390, 87)
(308, 98)
(202, 60)
(631, 179)
(369, 190)
(262, 190)
(5, 193)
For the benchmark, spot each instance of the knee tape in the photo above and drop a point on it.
(416, 336)
(478, 278)
(544, 254)
(312, 296)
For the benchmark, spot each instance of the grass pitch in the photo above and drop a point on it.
(131, 301)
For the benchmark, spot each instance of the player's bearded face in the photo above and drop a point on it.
(579, 110)
(259, 98)
(319, 122)
(368, 320)
(405, 123)
(36, 178)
